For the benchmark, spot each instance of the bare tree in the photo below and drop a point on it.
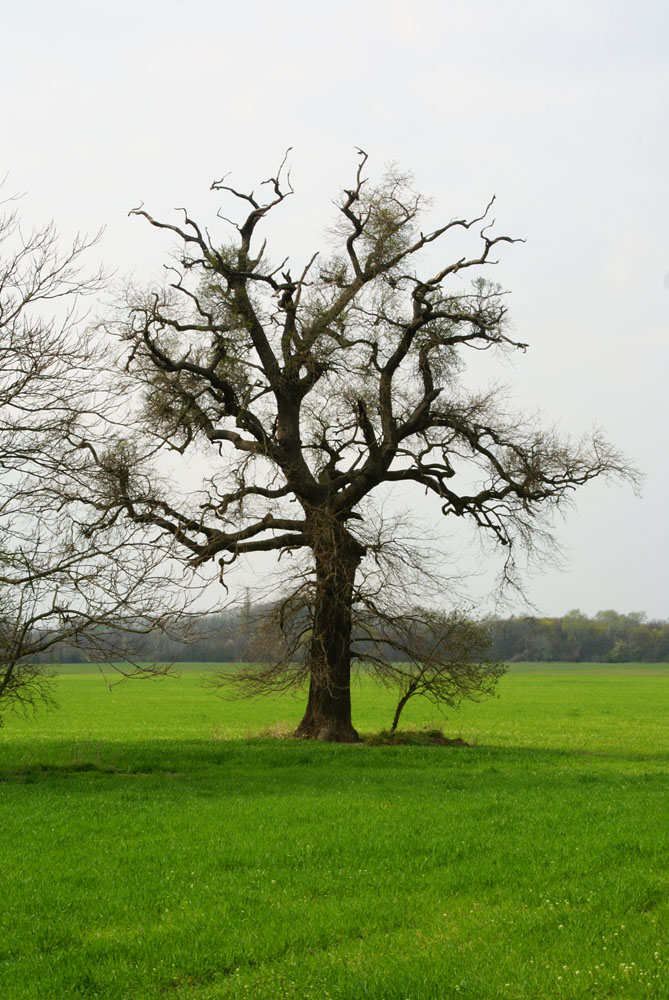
(63, 580)
(312, 389)
(446, 659)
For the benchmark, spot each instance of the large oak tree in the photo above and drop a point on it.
(310, 388)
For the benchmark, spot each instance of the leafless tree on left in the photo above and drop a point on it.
(64, 578)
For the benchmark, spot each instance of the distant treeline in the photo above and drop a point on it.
(608, 637)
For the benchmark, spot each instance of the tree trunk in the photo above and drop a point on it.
(328, 712)
(400, 705)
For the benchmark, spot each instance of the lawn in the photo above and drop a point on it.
(161, 842)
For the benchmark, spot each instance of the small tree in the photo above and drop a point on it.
(445, 658)
(63, 580)
(311, 389)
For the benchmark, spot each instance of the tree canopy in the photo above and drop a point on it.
(305, 390)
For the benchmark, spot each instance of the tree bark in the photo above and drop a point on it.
(400, 705)
(337, 556)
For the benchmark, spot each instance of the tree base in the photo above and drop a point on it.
(328, 730)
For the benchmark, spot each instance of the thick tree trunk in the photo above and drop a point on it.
(328, 712)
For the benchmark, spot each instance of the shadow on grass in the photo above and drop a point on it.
(274, 766)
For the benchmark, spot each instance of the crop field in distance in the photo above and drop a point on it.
(162, 843)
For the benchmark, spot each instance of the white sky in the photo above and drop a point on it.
(561, 109)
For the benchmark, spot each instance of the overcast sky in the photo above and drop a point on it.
(560, 109)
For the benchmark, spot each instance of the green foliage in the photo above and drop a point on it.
(608, 637)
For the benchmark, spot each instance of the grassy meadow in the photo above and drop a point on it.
(160, 842)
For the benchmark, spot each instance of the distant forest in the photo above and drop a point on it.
(608, 637)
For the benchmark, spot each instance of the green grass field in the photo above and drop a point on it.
(159, 842)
